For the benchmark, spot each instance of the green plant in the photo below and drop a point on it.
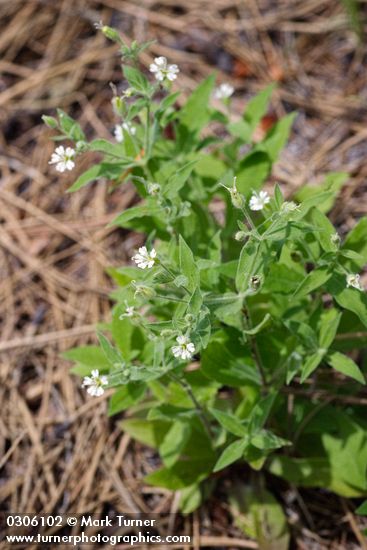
(232, 329)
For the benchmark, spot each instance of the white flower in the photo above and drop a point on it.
(63, 158)
(129, 312)
(95, 383)
(288, 206)
(162, 71)
(240, 236)
(153, 188)
(144, 258)
(353, 279)
(224, 91)
(259, 200)
(335, 239)
(119, 130)
(128, 92)
(185, 348)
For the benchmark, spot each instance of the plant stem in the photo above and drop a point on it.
(147, 132)
(173, 275)
(250, 222)
(255, 349)
(171, 298)
(185, 386)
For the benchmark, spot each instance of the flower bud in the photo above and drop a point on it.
(185, 209)
(167, 333)
(189, 318)
(154, 189)
(335, 239)
(255, 282)
(296, 256)
(50, 121)
(118, 105)
(237, 199)
(110, 33)
(81, 146)
(240, 236)
(354, 280)
(143, 290)
(288, 207)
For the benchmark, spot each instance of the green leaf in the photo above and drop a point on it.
(316, 199)
(188, 266)
(190, 499)
(304, 333)
(208, 166)
(196, 301)
(126, 397)
(50, 121)
(124, 275)
(89, 175)
(167, 102)
(228, 363)
(230, 312)
(181, 475)
(331, 185)
(91, 356)
(233, 452)
(314, 280)
(362, 509)
(329, 323)
(311, 364)
(328, 454)
(257, 107)
(107, 147)
(258, 514)
(252, 171)
(251, 263)
(202, 332)
(195, 114)
(241, 129)
(345, 365)
(112, 355)
(349, 298)
(266, 440)
(174, 443)
(70, 127)
(229, 422)
(277, 137)
(282, 278)
(355, 17)
(352, 255)
(260, 326)
(137, 80)
(327, 230)
(178, 180)
(261, 412)
(102, 170)
(356, 240)
(146, 431)
(278, 196)
(310, 472)
(136, 212)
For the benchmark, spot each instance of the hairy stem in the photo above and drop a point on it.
(185, 386)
